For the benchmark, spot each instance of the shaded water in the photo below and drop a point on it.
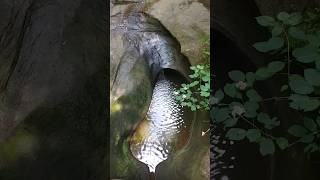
(156, 136)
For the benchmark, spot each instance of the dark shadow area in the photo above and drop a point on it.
(233, 33)
(248, 163)
(53, 90)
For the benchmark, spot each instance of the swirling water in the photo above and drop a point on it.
(163, 124)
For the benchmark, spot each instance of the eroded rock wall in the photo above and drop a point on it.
(53, 89)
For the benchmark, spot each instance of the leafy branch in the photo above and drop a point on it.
(295, 43)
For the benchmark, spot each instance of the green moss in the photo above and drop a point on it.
(133, 108)
(115, 107)
(205, 48)
(17, 146)
(125, 165)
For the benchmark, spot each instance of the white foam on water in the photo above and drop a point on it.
(165, 122)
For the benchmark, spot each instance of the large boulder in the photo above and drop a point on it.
(188, 21)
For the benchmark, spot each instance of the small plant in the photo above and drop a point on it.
(205, 47)
(196, 94)
(295, 46)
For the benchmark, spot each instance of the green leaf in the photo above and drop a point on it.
(266, 146)
(263, 73)
(193, 68)
(282, 143)
(312, 76)
(310, 124)
(314, 40)
(306, 54)
(307, 138)
(266, 20)
(220, 114)
(237, 109)
(299, 85)
(284, 87)
(204, 94)
(200, 66)
(283, 16)
(277, 30)
(251, 109)
(297, 131)
(275, 66)
(204, 88)
(267, 121)
(253, 95)
(184, 85)
(237, 76)
(230, 122)
(236, 134)
(253, 135)
(194, 83)
(250, 78)
(297, 33)
(300, 102)
(206, 78)
(263, 118)
(219, 95)
(230, 90)
(241, 85)
(275, 43)
(294, 19)
(311, 148)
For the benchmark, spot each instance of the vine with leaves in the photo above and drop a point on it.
(295, 44)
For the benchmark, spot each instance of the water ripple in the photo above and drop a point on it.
(164, 122)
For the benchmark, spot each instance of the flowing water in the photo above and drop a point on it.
(166, 126)
(156, 136)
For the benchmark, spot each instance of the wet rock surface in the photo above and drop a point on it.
(53, 89)
(148, 44)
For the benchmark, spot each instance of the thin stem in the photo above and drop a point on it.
(222, 104)
(282, 99)
(297, 141)
(293, 143)
(288, 52)
(252, 124)
(275, 99)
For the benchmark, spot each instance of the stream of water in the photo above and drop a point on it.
(162, 125)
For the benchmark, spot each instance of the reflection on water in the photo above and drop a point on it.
(154, 138)
(221, 160)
